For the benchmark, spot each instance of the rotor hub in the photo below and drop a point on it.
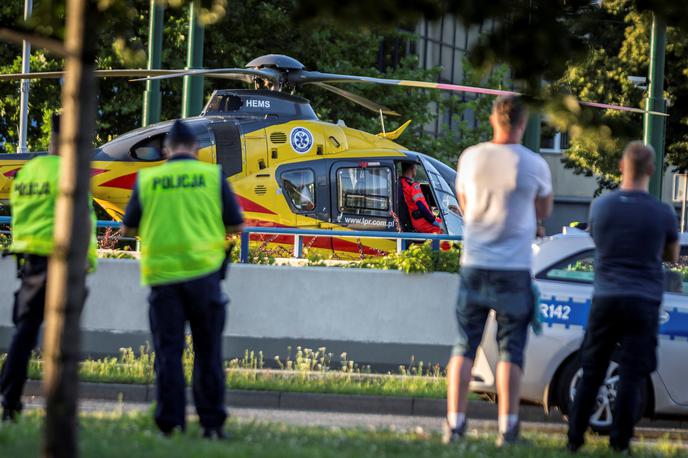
(276, 61)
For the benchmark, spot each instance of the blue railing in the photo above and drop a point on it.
(402, 238)
(100, 223)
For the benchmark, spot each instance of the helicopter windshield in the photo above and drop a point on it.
(446, 198)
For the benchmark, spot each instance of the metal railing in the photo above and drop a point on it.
(100, 224)
(402, 238)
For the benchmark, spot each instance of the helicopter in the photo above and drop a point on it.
(287, 167)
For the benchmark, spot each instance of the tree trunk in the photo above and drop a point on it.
(67, 266)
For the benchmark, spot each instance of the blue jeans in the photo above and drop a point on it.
(509, 294)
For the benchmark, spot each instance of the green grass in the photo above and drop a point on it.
(339, 383)
(134, 435)
(312, 371)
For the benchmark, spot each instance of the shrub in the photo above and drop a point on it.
(418, 258)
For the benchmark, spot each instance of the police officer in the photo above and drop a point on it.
(182, 211)
(33, 197)
(422, 219)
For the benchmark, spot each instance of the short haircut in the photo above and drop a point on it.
(53, 143)
(509, 110)
(639, 159)
(180, 135)
(55, 123)
(406, 166)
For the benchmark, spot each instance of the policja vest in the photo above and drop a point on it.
(181, 229)
(32, 198)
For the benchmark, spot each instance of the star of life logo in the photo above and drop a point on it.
(301, 140)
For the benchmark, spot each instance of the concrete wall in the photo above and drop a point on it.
(378, 317)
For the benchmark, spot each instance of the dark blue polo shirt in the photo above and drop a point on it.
(631, 229)
(231, 211)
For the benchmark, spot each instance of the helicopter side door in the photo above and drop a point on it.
(228, 151)
(305, 187)
(362, 195)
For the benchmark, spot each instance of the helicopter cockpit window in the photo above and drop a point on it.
(365, 191)
(148, 150)
(299, 186)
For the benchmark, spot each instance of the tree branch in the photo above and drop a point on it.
(18, 35)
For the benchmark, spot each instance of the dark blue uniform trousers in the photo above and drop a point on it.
(633, 324)
(27, 316)
(200, 302)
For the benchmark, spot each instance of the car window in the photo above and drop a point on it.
(676, 275)
(299, 186)
(579, 268)
(365, 190)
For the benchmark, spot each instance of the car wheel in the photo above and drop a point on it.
(603, 413)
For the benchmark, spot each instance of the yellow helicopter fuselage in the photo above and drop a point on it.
(287, 168)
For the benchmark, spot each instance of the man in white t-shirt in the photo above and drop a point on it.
(504, 189)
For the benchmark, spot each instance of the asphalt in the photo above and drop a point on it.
(306, 417)
(331, 410)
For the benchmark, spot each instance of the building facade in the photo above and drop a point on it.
(444, 43)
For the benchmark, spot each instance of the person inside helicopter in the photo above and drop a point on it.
(413, 205)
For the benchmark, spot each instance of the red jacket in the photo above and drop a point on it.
(422, 219)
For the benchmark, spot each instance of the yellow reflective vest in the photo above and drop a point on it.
(32, 198)
(181, 229)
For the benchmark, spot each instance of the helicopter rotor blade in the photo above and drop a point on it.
(113, 73)
(310, 77)
(242, 74)
(306, 77)
(360, 100)
(620, 108)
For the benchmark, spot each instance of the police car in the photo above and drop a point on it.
(564, 271)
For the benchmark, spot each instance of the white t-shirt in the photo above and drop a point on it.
(500, 184)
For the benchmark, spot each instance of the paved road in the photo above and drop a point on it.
(292, 417)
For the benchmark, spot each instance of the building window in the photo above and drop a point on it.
(299, 186)
(365, 191)
(444, 43)
(552, 141)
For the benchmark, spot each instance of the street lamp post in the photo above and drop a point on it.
(151, 98)
(531, 137)
(192, 98)
(24, 97)
(654, 125)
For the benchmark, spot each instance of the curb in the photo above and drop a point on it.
(363, 404)
(289, 400)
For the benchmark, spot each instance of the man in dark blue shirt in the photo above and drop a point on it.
(633, 234)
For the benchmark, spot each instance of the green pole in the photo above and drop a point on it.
(151, 98)
(531, 137)
(654, 125)
(192, 100)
